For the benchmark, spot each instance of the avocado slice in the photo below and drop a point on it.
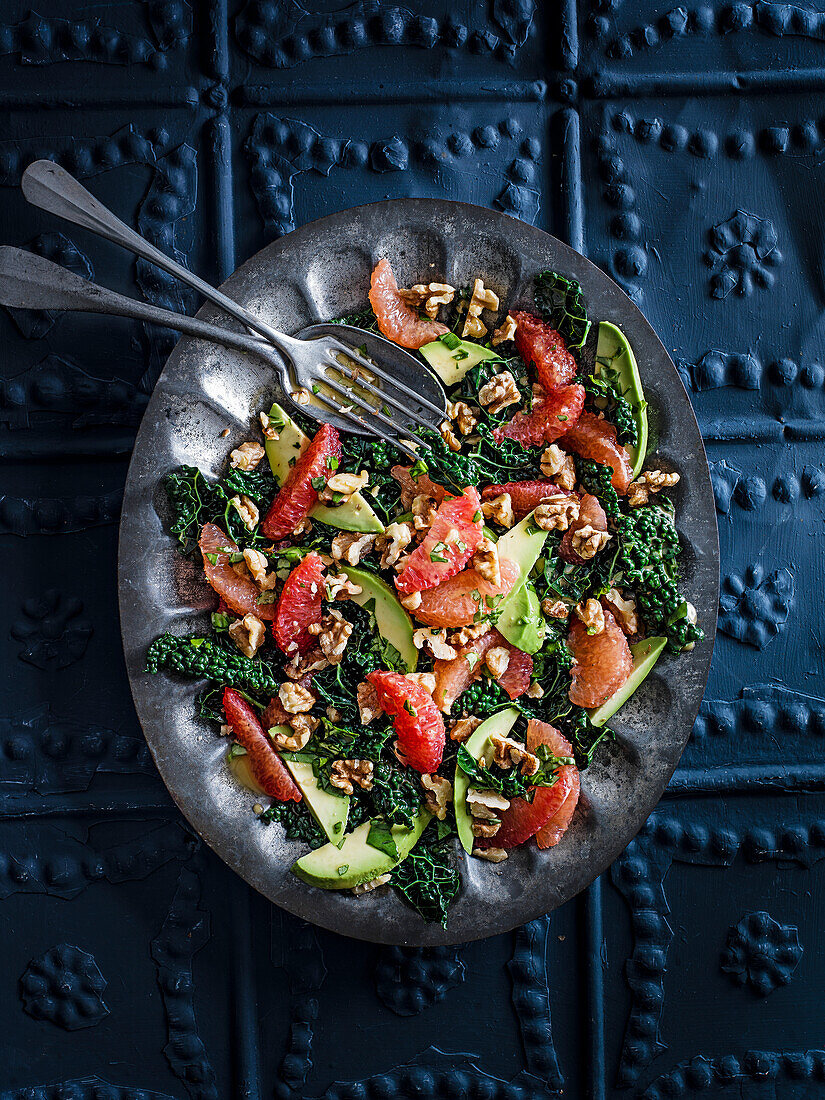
(522, 544)
(613, 351)
(333, 868)
(521, 621)
(329, 810)
(645, 655)
(393, 622)
(476, 745)
(452, 363)
(353, 515)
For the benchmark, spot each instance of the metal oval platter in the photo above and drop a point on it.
(319, 272)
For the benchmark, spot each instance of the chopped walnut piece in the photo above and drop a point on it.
(423, 509)
(396, 537)
(411, 601)
(340, 587)
(506, 331)
(591, 614)
(651, 481)
(434, 640)
(303, 528)
(557, 512)
(497, 660)
(247, 456)
(301, 397)
(486, 804)
(248, 634)
(462, 414)
(299, 666)
(486, 563)
(492, 855)
(346, 773)
(469, 633)
(566, 477)
(341, 487)
(422, 679)
(428, 297)
(449, 436)
(367, 698)
(587, 541)
(481, 299)
(485, 827)
(623, 610)
(334, 714)
(373, 884)
(555, 609)
(508, 753)
(499, 392)
(461, 729)
(247, 509)
(437, 793)
(267, 427)
(333, 632)
(500, 510)
(294, 737)
(535, 691)
(257, 563)
(552, 460)
(296, 699)
(348, 546)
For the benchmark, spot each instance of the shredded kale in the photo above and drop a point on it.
(396, 794)
(297, 820)
(205, 659)
(195, 501)
(427, 878)
(510, 782)
(606, 388)
(583, 735)
(598, 481)
(361, 318)
(561, 303)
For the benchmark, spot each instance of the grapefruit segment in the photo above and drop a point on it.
(549, 419)
(268, 769)
(299, 605)
(602, 662)
(454, 676)
(515, 680)
(595, 439)
(297, 495)
(237, 593)
(449, 544)
(411, 487)
(396, 320)
(524, 819)
(415, 717)
(456, 601)
(540, 344)
(542, 733)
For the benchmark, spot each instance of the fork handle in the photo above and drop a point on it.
(28, 281)
(53, 189)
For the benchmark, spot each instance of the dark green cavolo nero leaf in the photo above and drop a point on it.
(561, 303)
(427, 878)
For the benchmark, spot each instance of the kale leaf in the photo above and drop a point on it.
(298, 822)
(561, 303)
(427, 878)
(195, 501)
(204, 659)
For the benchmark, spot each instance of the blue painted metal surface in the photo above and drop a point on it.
(682, 150)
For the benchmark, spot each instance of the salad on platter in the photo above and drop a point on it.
(412, 662)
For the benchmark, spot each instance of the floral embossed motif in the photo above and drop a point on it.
(65, 987)
(753, 608)
(761, 953)
(53, 631)
(742, 255)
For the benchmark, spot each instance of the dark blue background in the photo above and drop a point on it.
(683, 151)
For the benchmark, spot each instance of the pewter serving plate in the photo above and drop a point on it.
(319, 272)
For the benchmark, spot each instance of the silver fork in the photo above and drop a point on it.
(372, 400)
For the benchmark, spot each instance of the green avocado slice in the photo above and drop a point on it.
(353, 515)
(476, 745)
(613, 351)
(329, 810)
(393, 622)
(332, 868)
(452, 363)
(522, 544)
(645, 655)
(521, 621)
